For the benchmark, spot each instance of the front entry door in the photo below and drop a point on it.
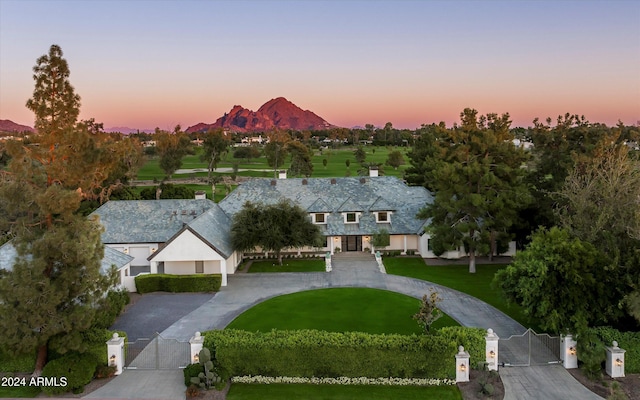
(352, 243)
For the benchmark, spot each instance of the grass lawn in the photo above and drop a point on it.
(20, 392)
(335, 392)
(458, 277)
(288, 265)
(337, 310)
(336, 164)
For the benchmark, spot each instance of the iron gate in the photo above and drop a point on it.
(157, 353)
(528, 349)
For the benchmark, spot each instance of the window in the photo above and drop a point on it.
(319, 218)
(429, 245)
(199, 267)
(383, 216)
(351, 217)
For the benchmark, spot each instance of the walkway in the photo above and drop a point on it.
(246, 290)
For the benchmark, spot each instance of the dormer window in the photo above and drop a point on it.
(319, 218)
(383, 217)
(351, 217)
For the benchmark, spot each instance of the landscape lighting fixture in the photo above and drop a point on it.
(112, 360)
(618, 362)
(492, 354)
(572, 351)
(463, 367)
(196, 358)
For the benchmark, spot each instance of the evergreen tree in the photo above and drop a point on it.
(477, 177)
(48, 297)
(300, 159)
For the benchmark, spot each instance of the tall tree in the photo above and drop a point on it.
(214, 146)
(360, 155)
(273, 228)
(49, 295)
(172, 147)
(477, 178)
(552, 278)
(275, 150)
(601, 205)
(395, 159)
(54, 102)
(300, 159)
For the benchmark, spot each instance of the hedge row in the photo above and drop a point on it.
(629, 341)
(311, 353)
(178, 283)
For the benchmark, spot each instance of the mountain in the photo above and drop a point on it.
(277, 113)
(10, 126)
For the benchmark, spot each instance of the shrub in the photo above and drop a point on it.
(629, 341)
(178, 283)
(78, 369)
(105, 371)
(19, 363)
(471, 338)
(307, 353)
(191, 371)
(111, 307)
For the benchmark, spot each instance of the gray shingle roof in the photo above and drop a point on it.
(147, 221)
(362, 194)
(213, 226)
(114, 257)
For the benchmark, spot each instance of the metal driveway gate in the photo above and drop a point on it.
(157, 353)
(528, 349)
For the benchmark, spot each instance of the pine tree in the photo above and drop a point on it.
(48, 298)
(477, 178)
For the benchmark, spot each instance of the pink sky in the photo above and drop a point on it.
(143, 64)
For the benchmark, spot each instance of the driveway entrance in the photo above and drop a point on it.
(529, 349)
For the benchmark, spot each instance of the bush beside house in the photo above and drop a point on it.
(178, 283)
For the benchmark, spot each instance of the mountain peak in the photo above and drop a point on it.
(276, 113)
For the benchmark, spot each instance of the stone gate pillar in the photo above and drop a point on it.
(615, 361)
(491, 350)
(568, 352)
(115, 353)
(196, 342)
(462, 365)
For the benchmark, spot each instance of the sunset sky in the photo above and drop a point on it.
(146, 64)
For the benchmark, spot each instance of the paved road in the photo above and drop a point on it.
(246, 290)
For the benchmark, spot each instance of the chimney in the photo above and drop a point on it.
(282, 174)
(201, 195)
(373, 170)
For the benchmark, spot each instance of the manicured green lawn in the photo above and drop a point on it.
(331, 392)
(458, 277)
(288, 265)
(336, 164)
(337, 310)
(20, 392)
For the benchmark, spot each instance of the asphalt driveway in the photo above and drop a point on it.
(155, 312)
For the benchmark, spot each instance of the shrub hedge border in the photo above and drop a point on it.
(178, 283)
(629, 341)
(312, 353)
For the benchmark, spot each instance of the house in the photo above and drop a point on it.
(112, 257)
(192, 236)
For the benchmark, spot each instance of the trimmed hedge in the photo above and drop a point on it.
(178, 283)
(78, 369)
(629, 341)
(473, 340)
(311, 353)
